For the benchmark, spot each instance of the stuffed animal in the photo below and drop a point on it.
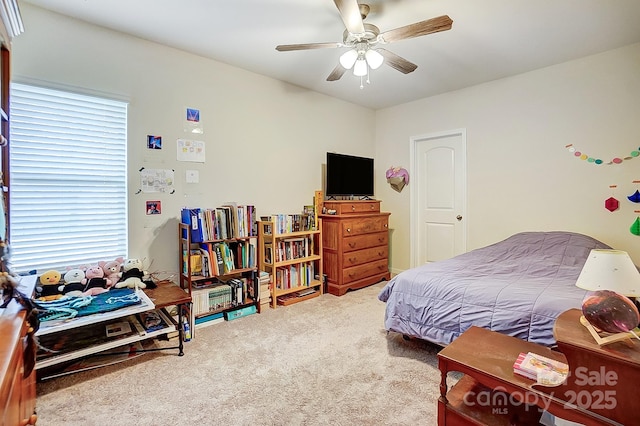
(112, 270)
(132, 274)
(72, 285)
(47, 287)
(94, 281)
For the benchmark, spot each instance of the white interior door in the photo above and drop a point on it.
(438, 196)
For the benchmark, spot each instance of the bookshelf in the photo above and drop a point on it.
(218, 263)
(293, 257)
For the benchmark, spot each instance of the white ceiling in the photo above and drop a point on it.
(490, 39)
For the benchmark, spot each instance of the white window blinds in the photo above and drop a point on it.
(68, 162)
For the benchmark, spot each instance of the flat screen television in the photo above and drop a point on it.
(348, 175)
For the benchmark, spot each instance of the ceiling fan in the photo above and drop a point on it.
(363, 40)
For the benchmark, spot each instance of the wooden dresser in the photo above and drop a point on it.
(355, 245)
(17, 383)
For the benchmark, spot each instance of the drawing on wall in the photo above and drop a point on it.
(193, 122)
(154, 207)
(190, 150)
(157, 180)
(154, 142)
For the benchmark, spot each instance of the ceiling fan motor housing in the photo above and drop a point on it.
(370, 36)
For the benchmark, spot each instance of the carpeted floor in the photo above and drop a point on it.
(325, 361)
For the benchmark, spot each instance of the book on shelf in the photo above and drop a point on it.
(218, 257)
(287, 299)
(318, 201)
(193, 218)
(211, 299)
(209, 319)
(206, 263)
(545, 371)
(241, 312)
(224, 222)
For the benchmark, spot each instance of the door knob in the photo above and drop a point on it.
(459, 217)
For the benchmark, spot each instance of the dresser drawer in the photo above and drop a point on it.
(365, 225)
(358, 257)
(353, 207)
(360, 242)
(363, 271)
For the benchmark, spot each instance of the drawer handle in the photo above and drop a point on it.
(381, 254)
(386, 225)
(372, 207)
(353, 208)
(381, 240)
(352, 245)
(381, 267)
(353, 260)
(348, 229)
(351, 275)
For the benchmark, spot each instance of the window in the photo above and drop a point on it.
(68, 162)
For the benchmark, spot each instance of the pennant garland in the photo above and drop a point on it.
(635, 228)
(594, 160)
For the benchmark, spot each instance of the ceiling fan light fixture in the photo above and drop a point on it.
(374, 59)
(360, 68)
(348, 58)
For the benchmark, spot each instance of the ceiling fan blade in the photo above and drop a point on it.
(433, 25)
(307, 46)
(397, 62)
(350, 13)
(337, 72)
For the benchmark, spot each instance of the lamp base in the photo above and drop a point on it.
(609, 338)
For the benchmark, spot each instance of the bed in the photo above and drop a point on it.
(517, 286)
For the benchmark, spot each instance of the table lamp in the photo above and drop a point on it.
(611, 270)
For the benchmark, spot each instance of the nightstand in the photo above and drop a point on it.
(602, 379)
(598, 390)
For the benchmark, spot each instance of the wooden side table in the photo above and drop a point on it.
(166, 294)
(603, 379)
(490, 393)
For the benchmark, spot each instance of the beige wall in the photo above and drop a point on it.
(265, 140)
(520, 176)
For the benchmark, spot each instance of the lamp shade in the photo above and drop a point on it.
(374, 59)
(610, 270)
(348, 58)
(360, 68)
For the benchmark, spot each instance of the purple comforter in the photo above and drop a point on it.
(518, 287)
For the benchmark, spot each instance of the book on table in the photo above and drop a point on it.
(545, 371)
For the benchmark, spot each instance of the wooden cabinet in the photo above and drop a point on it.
(294, 260)
(355, 244)
(17, 375)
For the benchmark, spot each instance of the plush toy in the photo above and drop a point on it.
(112, 270)
(94, 281)
(47, 287)
(132, 274)
(72, 285)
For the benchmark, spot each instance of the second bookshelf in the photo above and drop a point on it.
(294, 260)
